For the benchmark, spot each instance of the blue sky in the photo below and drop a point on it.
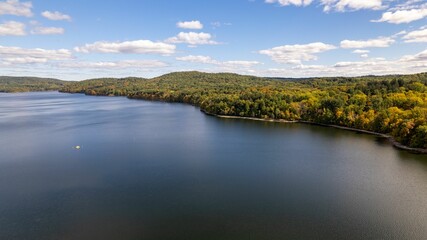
(80, 39)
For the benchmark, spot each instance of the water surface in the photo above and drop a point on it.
(149, 170)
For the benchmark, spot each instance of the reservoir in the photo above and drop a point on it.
(151, 170)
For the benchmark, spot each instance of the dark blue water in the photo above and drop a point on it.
(149, 170)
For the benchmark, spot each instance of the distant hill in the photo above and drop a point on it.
(29, 84)
(168, 85)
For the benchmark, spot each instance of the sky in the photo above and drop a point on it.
(81, 39)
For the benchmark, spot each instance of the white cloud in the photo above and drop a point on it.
(416, 36)
(60, 54)
(22, 60)
(374, 66)
(197, 59)
(56, 16)
(140, 64)
(419, 57)
(12, 28)
(363, 52)
(225, 65)
(291, 2)
(240, 64)
(351, 5)
(47, 30)
(360, 64)
(17, 55)
(371, 43)
(360, 51)
(192, 38)
(14, 7)
(295, 54)
(399, 34)
(408, 4)
(298, 71)
(308, 67)
(403, 16)
(190, 25)
(337, 5)
(128, 47)
(216, 24)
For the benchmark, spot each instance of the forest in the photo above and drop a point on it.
(29, 84)
(395, 105)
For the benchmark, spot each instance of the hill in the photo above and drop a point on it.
(29, 84)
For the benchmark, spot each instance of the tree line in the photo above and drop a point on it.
(29, 84)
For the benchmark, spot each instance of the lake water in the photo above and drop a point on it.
(150, 170)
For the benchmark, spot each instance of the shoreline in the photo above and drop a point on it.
(395, 143)
(388, 137)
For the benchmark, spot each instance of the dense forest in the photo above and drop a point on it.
(29, 84)
(395, 105)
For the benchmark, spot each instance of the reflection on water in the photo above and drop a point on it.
(150, 170)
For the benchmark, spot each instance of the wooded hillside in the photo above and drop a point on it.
(29, 84)
(394, 105)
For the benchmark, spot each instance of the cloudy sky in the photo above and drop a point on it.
(80, 39)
